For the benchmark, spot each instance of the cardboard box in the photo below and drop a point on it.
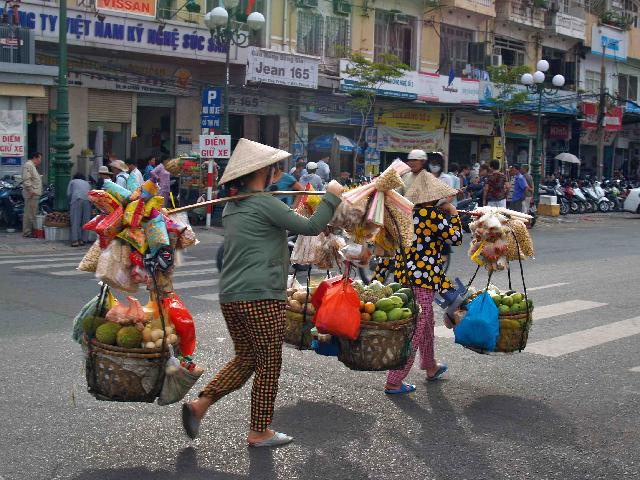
(548, 200)
(548, 210)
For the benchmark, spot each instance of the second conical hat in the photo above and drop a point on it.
(427, 188)
(249, 156)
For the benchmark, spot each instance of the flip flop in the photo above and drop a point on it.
(404, 388)
(442, 367)
(277, 440)
(189, 421)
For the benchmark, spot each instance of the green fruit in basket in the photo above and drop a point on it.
(406, 291)
(496, 299)
(379, 316)
(515, 308)
(397, 301)
(403, 297)
(395, 287)
(385, 304)
(395, 315)
(406, 313)
(523, 306)
(508, 301)
(107, 332)
(91, 324)
(504, 309)
(129, 337)
(517, 298)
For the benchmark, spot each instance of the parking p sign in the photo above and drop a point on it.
(211, 108)
(215, 146)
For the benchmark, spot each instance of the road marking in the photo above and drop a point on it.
(195, 284)
(543, 287)
(68, 273)
(40, 258)
(635, 369)
(591, 337)
(41, 267)
(212, 297)
(195, 272)
(196, 263)
(563, 308)
(72, 273)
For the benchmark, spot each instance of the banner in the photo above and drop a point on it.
(472, 124)
(145, 8)
(522, 125)
(11, 133)
(397, 140)
(411, 118)
(612, 117)
(280, 68)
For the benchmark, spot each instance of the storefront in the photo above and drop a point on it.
(521, 133)
(589, 138)
(472, 138)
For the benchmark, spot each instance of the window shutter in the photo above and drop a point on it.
(39, 104)
(477, 53)
(108, 106)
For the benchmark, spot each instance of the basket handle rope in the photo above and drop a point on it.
(304, 310)
(100, 307)
(525, 325)
(156, 289)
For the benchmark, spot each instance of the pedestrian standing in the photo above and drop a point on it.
(135, 176)
(323, 169)
(311, 177)
(422, 267)
(121, 172)
(524, 169)
(151, 164)
(253, 286)
(495, 188)
(298, 170)
(519, 188)
(283, 181)
(163, 177)
(31, 191)
(79, 208)
(103, 174)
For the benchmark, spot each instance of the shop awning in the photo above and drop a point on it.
(324, 143)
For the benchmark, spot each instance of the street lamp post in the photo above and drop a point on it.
(228, 32)
(535, 84)
(62, 163)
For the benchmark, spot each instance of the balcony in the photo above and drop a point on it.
(17, 45)
(482, 7)
(570, 23)
(522, 12)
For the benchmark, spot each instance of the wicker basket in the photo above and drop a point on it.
(514, 332)
(124, 374)
(293, 331)
(380, 346)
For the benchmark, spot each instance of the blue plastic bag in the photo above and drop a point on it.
(329, 349)
(480, 327)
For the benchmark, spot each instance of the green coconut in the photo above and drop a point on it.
(107, 332)
(129, 337)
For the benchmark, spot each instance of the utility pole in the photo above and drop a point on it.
(601, 115)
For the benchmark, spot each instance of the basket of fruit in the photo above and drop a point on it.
(57, 219)
(388, 316)
(299, 318)
(515, 317)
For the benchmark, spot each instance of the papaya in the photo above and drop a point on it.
(407, 292)
(385, 304)
(404, 298)
(395, 315)
(395, 287)
(406, 313)
(379, 316)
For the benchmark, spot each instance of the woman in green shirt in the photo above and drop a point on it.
(253, 286)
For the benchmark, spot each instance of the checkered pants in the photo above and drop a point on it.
(257, 331)
(422, 337)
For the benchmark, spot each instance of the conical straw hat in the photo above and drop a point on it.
(250, 156)
(427, 188)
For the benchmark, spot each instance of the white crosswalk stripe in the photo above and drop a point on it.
(195, 284)
(47, 265)
(544, 287)
(212, 297)
(563, 308)
(14, 260)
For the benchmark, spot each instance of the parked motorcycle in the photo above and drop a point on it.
(12, 203)
(582, 204)
(595, 194)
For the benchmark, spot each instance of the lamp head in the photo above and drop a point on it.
(216, 18)
(538, 77)
(542, 66)
(255, 20)
(526, 79)
(558, 81)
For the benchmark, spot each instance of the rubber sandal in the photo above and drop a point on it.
(405, 388)
(277, 440)
(189, 421)
(442, 367)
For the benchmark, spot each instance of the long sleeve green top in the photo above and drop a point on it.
(256, 256)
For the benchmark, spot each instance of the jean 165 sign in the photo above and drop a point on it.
(267, 66)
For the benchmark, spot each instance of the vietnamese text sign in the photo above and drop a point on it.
(472, 124)
(280, 68)
(397, 140)
(211, 108)
(11, 133)
(215, 146)
(136, 7)
(522, 125)
(411, 118)
(614, 42)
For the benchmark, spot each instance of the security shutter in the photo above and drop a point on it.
(162, 101)
(38, 104)
(107, 106)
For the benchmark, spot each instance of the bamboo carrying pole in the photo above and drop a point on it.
(243, 196)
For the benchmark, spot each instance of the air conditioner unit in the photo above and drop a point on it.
(400, 19)
(341, 7)
(496, 60)
(307, 3)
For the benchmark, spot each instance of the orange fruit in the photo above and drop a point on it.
(365, 317)
(369, 307)
(361, 306)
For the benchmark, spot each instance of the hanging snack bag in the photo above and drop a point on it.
(157, 235)
(135, 237)
(103, 201)
(154, 203)
(133, 214)
(89, 262)
(111, 225)
(121, 194)
(113, 267)
(182, 322)
(93, 223)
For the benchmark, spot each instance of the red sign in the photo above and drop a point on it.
(559, 131)
(612, 117)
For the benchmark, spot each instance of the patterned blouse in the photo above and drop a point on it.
(424, 262)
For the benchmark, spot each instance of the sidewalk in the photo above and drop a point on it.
(15, 243)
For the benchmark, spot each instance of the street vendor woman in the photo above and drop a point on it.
(436, 223)
(253, 287)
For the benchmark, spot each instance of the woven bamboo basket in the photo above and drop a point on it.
(380, 346)
(295, 330)
(124, 374)
(514, 332)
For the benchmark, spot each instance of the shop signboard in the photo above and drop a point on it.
(392, 139)
(11, 133)
(563, 101)
(281, 68)
(122, 31)
(521, 125)
(429, 87)
(411, 118)
(612, 117)
(590, 137)
(614, 42)
(215, 146)
(472, 124)
(250, 103)
(559, 131)
(211, 108)
(319, 108)
(146, 8)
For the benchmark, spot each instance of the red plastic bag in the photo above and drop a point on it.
(183, 323)
(321, 290)
(339, 313)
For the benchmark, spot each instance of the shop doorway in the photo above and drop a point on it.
(154, 128)
(462, 150)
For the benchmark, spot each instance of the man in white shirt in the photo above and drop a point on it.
(323, 170)
(132, 165)
(311, 177)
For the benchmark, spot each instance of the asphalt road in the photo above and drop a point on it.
(567, 408)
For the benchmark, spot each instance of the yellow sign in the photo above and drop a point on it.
(498, 149)
(491, 149)
(411, 118)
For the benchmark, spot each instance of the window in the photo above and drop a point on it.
(628, 87)
(454, 49)
(336, 37)
(310, 33)
(394, 33)
(592, 81)
(512, 51)
(631, 12)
